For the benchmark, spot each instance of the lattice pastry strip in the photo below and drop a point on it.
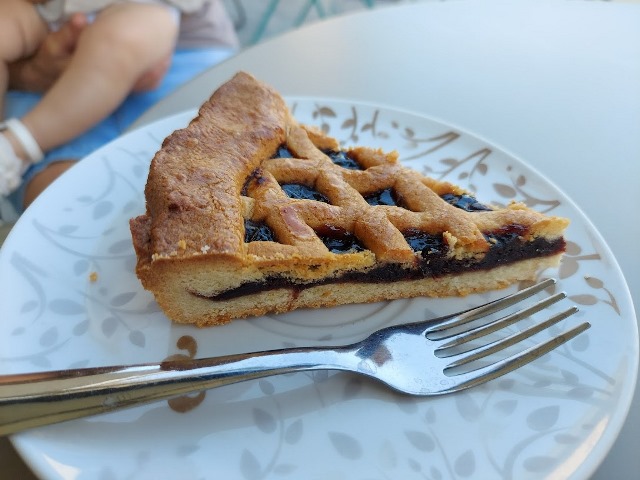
(425, 210)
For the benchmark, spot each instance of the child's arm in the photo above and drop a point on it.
(39, 72)
(144, 34)
(124, 43)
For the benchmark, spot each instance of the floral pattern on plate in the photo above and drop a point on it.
(69, 298)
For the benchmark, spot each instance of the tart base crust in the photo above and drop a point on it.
(184, 306)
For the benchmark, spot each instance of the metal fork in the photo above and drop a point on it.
(420, 358)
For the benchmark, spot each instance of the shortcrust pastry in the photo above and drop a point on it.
(248, 212)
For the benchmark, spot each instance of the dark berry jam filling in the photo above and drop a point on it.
(507, 247)
(338, 240)
(257, 232)
(302, 192)
(388, 197)
(283, 152)
(425, 243)
(505, 244)
(342, 159)
(465, 202)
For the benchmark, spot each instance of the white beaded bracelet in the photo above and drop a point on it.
(10, 168)
(25, 138)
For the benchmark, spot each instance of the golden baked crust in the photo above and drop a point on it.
(209, 178)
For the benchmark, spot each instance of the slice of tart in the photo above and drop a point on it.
(249, 212)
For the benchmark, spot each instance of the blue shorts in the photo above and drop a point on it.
(186, 64)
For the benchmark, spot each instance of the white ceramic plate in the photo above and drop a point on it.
(557, 417)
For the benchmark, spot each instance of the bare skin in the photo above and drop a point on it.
(57, 55)
(45, 178)
(38, 72)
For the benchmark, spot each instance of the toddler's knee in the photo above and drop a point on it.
(21, 30)
(125, 36)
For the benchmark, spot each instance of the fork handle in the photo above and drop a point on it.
(37, 399)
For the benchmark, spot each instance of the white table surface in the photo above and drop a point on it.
(556, 83)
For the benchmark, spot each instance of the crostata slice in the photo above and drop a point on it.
(249, 212)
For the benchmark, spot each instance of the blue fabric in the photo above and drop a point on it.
(185, 65)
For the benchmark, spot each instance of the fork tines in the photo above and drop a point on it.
(457, 331)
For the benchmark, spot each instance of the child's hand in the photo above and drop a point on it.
(40, 71)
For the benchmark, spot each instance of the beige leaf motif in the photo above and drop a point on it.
(568, 267)
(504, 190)
(573, 248)
(185, 403)
(584, 299)
(594, 282)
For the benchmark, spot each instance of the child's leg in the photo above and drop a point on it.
(124, 42)
(21, 31)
